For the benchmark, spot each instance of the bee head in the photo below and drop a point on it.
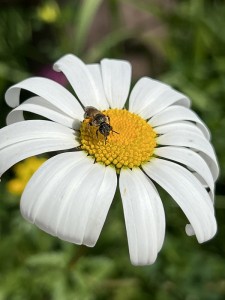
(105, 129)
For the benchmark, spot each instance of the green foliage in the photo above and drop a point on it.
(85, 19)
(187, 51)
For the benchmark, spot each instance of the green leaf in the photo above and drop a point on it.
(85, 17)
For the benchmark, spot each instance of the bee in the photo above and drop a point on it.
(96, 118)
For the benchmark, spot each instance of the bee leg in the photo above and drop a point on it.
(89, 127)
(97, 133)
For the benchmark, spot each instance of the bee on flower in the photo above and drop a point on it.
(158, 139)
(93, 117)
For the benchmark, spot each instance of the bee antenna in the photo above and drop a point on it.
(115, 131)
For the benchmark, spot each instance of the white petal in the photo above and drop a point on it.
(144, 216)
(15, 153)
(116, 75)
(52, 171)
(159, 213)
(87, 84)
(49, 90)
(95, 71)
(143, 92)
(178, 113)
(74, 204)
(188, 126)
(189, 158)
(149, 97)
(203, 183)
(188, 139)
(33, 129)
(25, 139)
(189, 230)
(188, 192)
(199, 177)
(83, 213)
(100, 206)
(41, 107)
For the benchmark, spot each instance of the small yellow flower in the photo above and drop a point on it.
(48, 12)
(16, 186)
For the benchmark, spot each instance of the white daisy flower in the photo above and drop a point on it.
(158, 138)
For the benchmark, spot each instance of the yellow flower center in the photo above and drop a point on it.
(131, 146)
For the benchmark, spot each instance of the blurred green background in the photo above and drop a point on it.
(179, 42)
